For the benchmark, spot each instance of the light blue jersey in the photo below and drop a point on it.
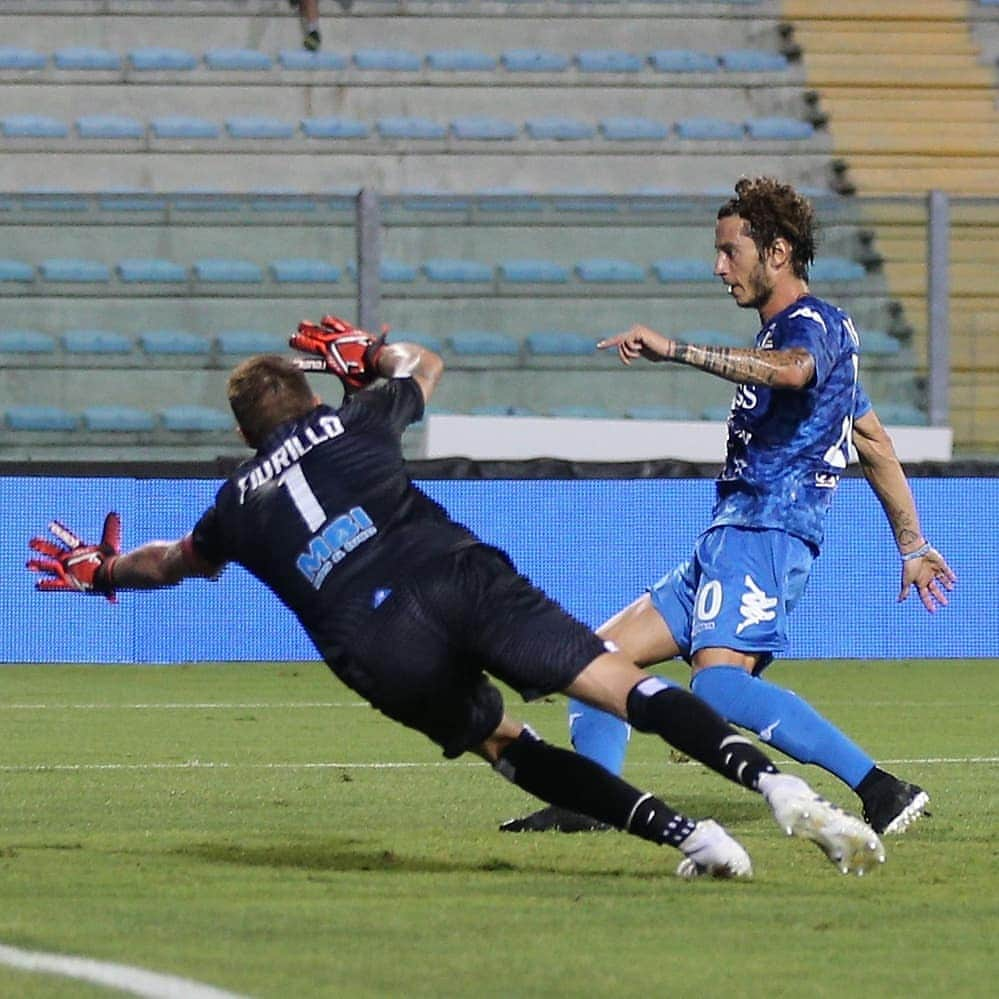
(787, 449)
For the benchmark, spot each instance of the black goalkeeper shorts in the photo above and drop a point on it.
(420, 656)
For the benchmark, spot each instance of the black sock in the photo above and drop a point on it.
(874, 776)
(695, 728)
(572, 781)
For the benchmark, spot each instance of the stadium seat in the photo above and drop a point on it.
(428, 340)
(460, 61)
(713, 338)
(779, 128)
(237, 59)
(32, 126)
(581, 412)
(674, 270)
(334, 127)
(40, 418)
(219, 270)
(663, 412)
(409, 127)
(17, 57)
(555, 344)
(118, 419)
(196, 419)
(150, 271)
(96, 342)
(468, 342)
(457, 271)
(109, 126)
(258, 127)
(682, 61)
(16, 270)
(628, 129)
(48, 200)
(533, 272)
(388, 60)
(74, 271)
(251, 342)
(533, 61)
(483, 127)
(161, 59)
(559, 128)
(176, 126)
(607, 61)
(836, 269)
(610, 271)
(300, 270)
(297, 59)
(26, 342)
(203, 200)
(506, 199)
(390, 271)
(168, 342)
(86, 57)
(900, 413)
(752, 61)
(702, 128)
(879, 343)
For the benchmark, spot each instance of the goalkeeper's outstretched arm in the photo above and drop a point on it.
(410, 360)
(154, 565)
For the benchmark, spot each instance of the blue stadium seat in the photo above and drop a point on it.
(109, 126)
(174, 342)
(334, 127)
(150, 271)
(683, 61)
(662, 412)
(154, 58)
(178, 126)
(118, 419)
(74, 271)
(607, 61)
(508, 199)
(559, 128)
(709, 128)
(390, 271)
(779, 128)
(219, 270)
(836, 269)
(877, 342)
(96, 342)
(17, 57)
(900, 414)
(427, 340)
(196, 419)
(43, 418)
(32, 126)
(26, 342)
(581, 412)
(533, 272)
(460, 61)
(45, 199)
(610, 271)
(237, 59)
(534, 61)
(16, 270)
(388, 60)
(86, 57)
(300, 270)
(713, 338)
(752, 61)
(457, 271)
(672, 270)
(251, 342)
(203, 200)
(409, 127)
(628, 129)
(303, 59)
(556, 344)
(483, 127)
(469, 342)
(259, 127)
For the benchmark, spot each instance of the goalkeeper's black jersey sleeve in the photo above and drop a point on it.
(326, 505)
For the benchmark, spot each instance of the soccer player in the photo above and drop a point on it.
(798, 405)
(410, 609)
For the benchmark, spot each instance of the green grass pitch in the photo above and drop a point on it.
(255, 828)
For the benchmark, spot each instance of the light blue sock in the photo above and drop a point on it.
(599, 736)
(782, 719)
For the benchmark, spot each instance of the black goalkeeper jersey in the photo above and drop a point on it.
(326, 505)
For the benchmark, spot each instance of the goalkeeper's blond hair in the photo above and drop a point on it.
(264, 392)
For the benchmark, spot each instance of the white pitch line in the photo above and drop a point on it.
(123, 977)
(222, 765)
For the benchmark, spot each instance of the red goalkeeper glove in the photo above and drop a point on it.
(73, 565)
(349, 353)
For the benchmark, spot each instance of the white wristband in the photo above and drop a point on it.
(918, 553)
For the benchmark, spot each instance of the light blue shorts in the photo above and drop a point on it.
(736, 592)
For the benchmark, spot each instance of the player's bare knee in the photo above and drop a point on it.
(493, 746)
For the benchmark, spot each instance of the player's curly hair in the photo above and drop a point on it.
(774, 211)
(264, 391)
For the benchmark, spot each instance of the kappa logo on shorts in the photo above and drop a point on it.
(756, 607)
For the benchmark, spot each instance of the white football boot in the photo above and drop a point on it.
(710, 851)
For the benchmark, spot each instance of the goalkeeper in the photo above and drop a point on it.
(411, 610)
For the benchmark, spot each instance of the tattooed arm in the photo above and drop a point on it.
(783, 369)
